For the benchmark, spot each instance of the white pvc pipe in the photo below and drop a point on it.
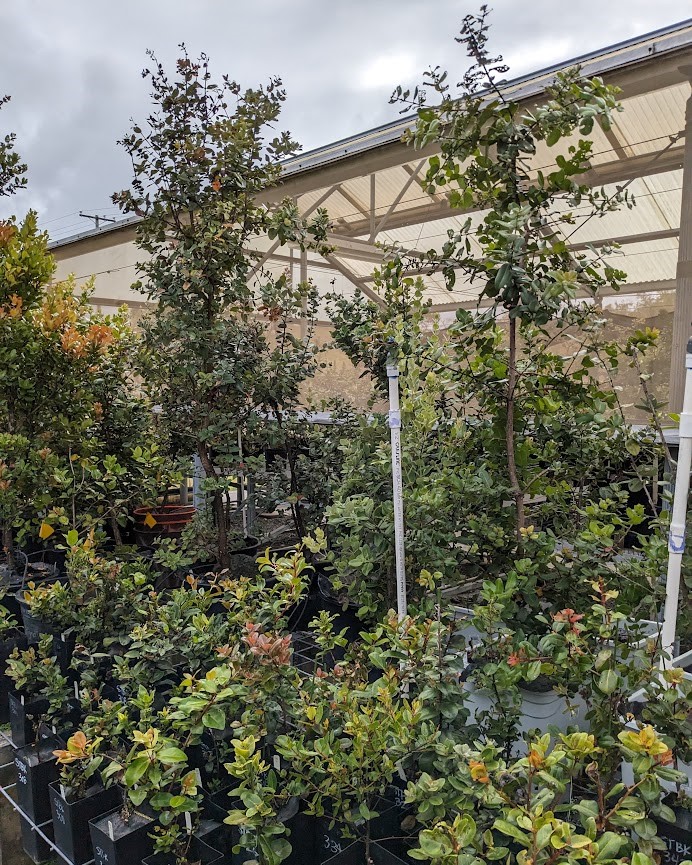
(241, 483)
(676, 537)
(397, 488)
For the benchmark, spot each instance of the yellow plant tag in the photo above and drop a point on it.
(149, 521)
(45, 531)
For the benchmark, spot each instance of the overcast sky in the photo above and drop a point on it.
(72, 69)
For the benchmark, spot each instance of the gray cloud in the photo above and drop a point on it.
(73, 69)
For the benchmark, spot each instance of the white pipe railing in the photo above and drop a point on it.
(397, 488)
(678, 522)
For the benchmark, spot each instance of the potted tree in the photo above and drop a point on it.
(205, 348)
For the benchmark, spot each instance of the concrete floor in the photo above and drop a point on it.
(11, 852)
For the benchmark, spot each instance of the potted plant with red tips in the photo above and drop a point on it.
(79, 796)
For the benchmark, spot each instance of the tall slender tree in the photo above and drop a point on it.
(206, 154)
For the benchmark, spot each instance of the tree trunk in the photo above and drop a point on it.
(117, 534)
(218, 508)
(298, 522)
(8, 545)
(517, 491)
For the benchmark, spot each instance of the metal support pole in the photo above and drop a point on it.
(676, 537)
(397, 488)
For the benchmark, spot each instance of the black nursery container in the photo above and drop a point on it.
(35, 847)
(333, 838)
(24, 718)
(36, 768)
(71, 819)
(63, 647)
(380, 853)
(199, 851)
(677, 837)
(116, 841)
(34, 628)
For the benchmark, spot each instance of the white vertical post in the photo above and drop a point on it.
(241, 483)
(397, 488)
(676, 537)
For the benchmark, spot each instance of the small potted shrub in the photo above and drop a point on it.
(159, 788)
(11, 637)
(343, 755)
(41, 693)
(79, 796)
(46, 609)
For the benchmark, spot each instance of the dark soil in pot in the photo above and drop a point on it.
(213, 833)
(71, 818)
(118, 841)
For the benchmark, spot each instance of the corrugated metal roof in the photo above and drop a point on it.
(648, 126)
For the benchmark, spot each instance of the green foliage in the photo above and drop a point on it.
(516, 812)
(79, 763)
(210, 359)
(11, 169)
(260, 795)
(36, 675)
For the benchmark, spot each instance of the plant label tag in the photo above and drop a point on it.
(45, 531)
(149, 521)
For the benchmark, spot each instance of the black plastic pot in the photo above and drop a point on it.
(346, 612)
(217, 805)
(331, 840)
(381, 853)
(249, 547)
(129, 842)
(33, 845)
(63, 647)
(24, 718)
(199, 851)
(213, 833)
(677, 837)
(6, 684)
(35, 768)
(34, 628)
(71, 819)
